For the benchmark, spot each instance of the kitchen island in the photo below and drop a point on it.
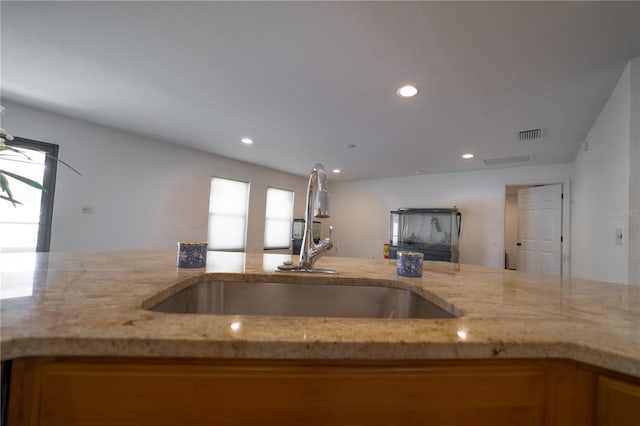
(523, 349)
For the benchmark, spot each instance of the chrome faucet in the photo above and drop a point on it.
(318, 207)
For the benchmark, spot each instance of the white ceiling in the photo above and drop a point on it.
(306, 79)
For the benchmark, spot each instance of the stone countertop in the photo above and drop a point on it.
(94, 305)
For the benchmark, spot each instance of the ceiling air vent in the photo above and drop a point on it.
(517, 159)
(531, 134)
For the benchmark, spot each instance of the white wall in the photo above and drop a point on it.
(602, 187)
(145, 193)
(360, 209)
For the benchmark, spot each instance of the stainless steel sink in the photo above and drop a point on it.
(306, 300)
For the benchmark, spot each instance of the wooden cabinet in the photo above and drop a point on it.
(618, 403)
(86, 391)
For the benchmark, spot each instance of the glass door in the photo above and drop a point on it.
(26, 227)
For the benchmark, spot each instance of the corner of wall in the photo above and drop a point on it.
(601, 189)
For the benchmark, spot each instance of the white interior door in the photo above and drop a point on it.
(540, 229)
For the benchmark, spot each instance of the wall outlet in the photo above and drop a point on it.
(618, 237)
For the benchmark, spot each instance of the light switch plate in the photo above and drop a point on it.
(618, 237)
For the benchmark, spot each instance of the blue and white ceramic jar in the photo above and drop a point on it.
(192, 255)
(410, 263)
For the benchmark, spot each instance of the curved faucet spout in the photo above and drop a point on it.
(318, 207)
(318, 176)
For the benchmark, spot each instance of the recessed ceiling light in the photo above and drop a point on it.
(246, 140)
(467, 156)
(336, 170)
(407, 91)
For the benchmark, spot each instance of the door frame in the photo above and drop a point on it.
(48, 181)
(566, 217)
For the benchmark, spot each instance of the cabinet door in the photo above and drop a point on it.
(161, 393)
(147, 392)
(618, 403)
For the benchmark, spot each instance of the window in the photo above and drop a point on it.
(279, 216)
(228, 206)
(26, 227)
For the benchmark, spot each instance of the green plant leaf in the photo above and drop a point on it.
(22, 179)
(16, 150)
(4, 184)
(11, 200)
(63, 163)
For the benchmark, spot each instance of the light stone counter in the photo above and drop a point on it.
(93, 304)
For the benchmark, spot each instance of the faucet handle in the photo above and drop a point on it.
(330, 230)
